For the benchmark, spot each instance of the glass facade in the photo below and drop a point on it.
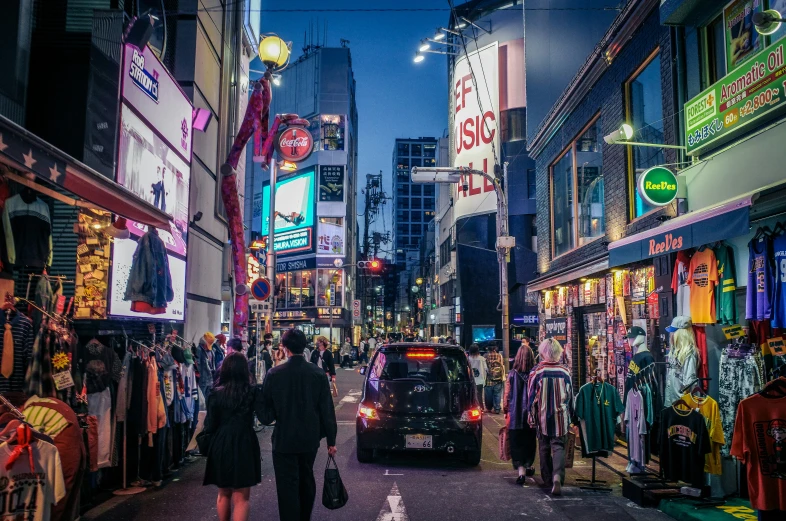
(414, 203)
(309, 288)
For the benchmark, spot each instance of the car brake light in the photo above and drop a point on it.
(472, 415)
(367, 413)
(422, 353)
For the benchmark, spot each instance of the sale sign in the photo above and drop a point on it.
(475, 131)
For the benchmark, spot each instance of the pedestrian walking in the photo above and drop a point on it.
(322, 357)
(363, 351)
(233, 456)
(495, 378)
(551, 411)
(523, 438)
(296, 396)
(479, 370)
(344, 352)
(206, 364)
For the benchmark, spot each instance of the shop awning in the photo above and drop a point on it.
(555, 279)
(716, 223)
(27, 152)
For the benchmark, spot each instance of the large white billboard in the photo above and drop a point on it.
(476, 127)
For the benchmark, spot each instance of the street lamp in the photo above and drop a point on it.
(274, 52)
(622, 135)
(767, 22)
(504, 241)
(424, 45)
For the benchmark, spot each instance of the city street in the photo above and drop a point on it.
(394, 487)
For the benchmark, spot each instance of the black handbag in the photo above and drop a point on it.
(203, 440)
(334, 494)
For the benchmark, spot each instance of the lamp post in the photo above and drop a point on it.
(505, 242)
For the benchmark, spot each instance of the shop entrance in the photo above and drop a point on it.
(593, 352)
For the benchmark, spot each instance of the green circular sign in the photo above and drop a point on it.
(658, 186)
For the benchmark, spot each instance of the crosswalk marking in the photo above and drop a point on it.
(393, 508)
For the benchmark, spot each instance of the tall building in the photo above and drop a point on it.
(413, 204)
(315, 252)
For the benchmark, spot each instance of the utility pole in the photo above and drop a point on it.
(375, 198)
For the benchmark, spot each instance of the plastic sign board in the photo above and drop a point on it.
(658, 186)
(260, 289)
(294, 144)
(754, 92)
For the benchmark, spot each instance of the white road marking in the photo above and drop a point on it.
(393, 508)
(387, 473)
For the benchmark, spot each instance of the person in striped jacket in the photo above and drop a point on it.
(551, 412)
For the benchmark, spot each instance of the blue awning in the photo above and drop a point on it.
(691, 230)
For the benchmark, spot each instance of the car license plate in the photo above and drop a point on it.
(419, 441)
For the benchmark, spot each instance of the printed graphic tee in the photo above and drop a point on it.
(779, 295)
(636, 421)
(30, 495)
(725, 303)
(703, 277)
(760, 442)
(759, 298)
(640, 360)
(711, 412)
(679, 283)
(599, 406)
(687, 441)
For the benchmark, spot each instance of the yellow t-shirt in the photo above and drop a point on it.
(708, 408)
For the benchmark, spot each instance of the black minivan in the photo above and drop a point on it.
(421, 397)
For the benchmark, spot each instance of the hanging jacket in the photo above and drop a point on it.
(156, 414)
(150, 282)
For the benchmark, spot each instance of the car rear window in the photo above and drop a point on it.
(441, 368)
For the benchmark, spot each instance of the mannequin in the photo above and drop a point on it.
(642, 358)
(683, 359)
(638, 401)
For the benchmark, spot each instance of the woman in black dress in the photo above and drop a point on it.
(233, 459)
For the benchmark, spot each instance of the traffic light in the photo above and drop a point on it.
(373, 264)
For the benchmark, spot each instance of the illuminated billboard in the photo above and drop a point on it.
(295, 209)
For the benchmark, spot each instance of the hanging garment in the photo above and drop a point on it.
(34, 491)
(708, 408)
(760, 280)
(23, 336)
(149, 286)
(678, 376)
(123, 392)
(739, 378)
(598, 406)
(702, 365)
(101, 366)
(638, 363)
(725, 303)
(760, 443)
(42, 299)
(679, 283)
(685, 442)
(156, 414)
(100, 405)
(703, 277)
(779, 293)
(637, 426)
(28, 231)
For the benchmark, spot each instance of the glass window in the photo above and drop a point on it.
(716, 43)
(405, 203)
(531, 183)
(330, 284)
(429, 150)
(332, 132)
(429, 162)
(402, 215)
(415, 161)
(417, 203)
(402, 230)
(403, 149)
(441, 368)
(417, 189)
(428, 190)
(645, 113)
(562, 203)
(403, 189)
(589, 178)
(308, 294)
(294, 282)
(417, 150)
(417, 230)
(281, 290)
(403, 163)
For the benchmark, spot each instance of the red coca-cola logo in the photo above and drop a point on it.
(294, 144)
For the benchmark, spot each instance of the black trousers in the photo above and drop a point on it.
(295, 485)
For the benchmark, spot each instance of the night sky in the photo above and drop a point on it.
(395, 97)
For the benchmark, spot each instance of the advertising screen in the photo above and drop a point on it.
(123, 253)
(330, 236)
(481, 333)
(154, 93)
(148, 167)
(295, 202)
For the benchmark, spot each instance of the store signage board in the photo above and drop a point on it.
(754, 92)
(331, 183)
(294, 144)
(776, 345)
(732, 332)
(658, 186)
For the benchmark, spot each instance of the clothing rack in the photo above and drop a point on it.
(52, 317)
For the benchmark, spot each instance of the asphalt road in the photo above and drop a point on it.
(402, 487)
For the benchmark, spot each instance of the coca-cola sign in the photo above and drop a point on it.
(294, 144)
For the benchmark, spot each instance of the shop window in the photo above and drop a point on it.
(308, 291)
(562, 204)
(403, 149)
(645, 115)
(330, 287)
(281, 290)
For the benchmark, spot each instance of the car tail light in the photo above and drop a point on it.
(421, 353)
(472, 415)
(367, 412)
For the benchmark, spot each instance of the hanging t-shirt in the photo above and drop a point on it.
(640, 361)
(703, 277)
(709, 409)
(779, 293)
(30, 496)
(636, 429)
(679, 283)
(760, 442)
(725, 303)
(684, 443)
(760, 284)
(599, 405)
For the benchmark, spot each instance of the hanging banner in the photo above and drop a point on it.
(331, 183)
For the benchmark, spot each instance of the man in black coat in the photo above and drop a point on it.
(297, 397)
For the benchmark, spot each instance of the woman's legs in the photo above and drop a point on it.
(224, 504)
(240, 504)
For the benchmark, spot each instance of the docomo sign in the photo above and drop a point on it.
(294, 144)
(475, 132)
(658, 186)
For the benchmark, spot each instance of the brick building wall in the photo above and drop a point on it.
(607, 97)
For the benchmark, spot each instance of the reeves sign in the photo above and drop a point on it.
(475, 131)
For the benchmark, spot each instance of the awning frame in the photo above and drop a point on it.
(576, 272)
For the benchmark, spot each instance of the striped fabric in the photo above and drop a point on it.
(551, 398)
(45, 419)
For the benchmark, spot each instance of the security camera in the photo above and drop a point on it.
(197, 216)
(465, 187)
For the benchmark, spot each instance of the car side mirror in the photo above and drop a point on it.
(363, 370)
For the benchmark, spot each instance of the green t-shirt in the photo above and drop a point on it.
(725, 303)
(599, 405)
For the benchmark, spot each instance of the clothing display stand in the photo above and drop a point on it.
(593, 484)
